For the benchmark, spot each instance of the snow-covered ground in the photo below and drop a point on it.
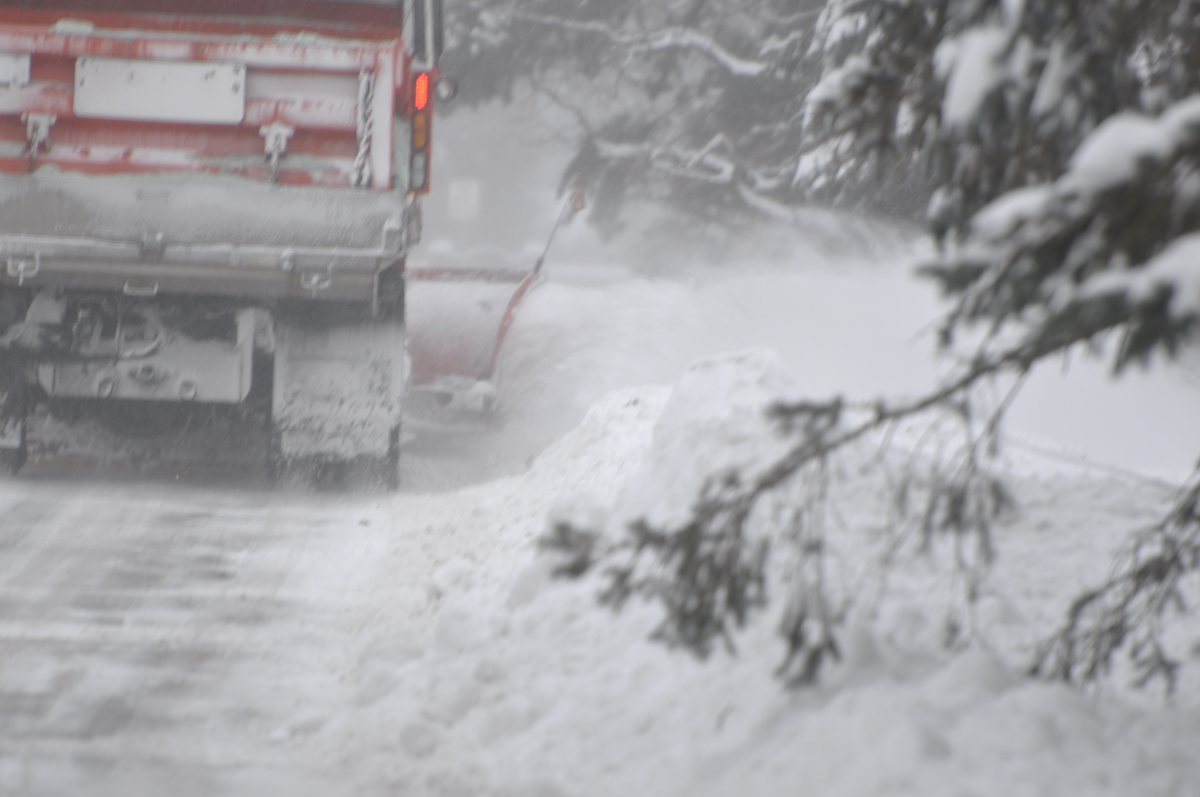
(197, 640)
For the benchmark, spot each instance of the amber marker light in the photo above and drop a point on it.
(420, 131)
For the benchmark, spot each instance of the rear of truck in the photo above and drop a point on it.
(205, 209)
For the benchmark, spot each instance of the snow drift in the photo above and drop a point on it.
(511, 683)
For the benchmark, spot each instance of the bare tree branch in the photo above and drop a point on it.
(658, 40)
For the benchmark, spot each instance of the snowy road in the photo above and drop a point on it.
(133, 634)
(200, 640)
(197, 641)
(190, 641)
(226, 640)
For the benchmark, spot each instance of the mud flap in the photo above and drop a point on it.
(337, 398)
(13, 306)
(12, 420)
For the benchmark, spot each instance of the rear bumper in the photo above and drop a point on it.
(197, 235)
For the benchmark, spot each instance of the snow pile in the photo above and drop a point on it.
(714, 425)
(595, 457)
(473, 672)
(970, 727)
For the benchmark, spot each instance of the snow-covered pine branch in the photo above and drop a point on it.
(1130, 609)
(1110, 246)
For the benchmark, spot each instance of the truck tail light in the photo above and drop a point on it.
(421, 91)
(418, 174)
(422, 121)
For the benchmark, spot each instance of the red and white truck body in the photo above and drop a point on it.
(209, 203)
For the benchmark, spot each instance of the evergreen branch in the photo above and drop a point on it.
(1127, 611)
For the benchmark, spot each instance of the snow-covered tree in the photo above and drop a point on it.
(695, 104)
(1064, 143)
(1061, 141)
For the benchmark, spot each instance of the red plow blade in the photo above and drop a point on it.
(457, 321)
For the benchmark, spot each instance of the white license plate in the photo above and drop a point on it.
(160, 91)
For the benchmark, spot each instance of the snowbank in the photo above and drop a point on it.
(714, 425)
(497, 680)
(971, 726)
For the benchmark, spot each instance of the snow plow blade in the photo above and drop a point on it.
(457, 321)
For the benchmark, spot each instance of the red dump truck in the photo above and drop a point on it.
(205, 210)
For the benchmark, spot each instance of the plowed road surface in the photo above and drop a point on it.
(160, 640)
